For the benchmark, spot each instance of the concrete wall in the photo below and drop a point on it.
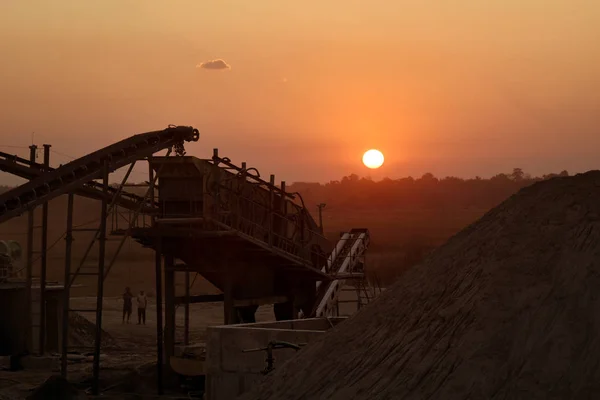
(230, 372)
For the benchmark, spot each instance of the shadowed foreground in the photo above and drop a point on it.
(507, 308)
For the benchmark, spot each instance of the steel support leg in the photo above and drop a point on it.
(44, 258)
(186, 321)
(158, 280)
(159, 318)
(100, 292)
(66, 293)
(29, 271)
(169, 307)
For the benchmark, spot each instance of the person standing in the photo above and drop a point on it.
(142, 302)
(127, 304)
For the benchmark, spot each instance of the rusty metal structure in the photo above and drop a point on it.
(248, 236)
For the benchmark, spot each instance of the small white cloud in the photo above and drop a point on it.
(214, 64)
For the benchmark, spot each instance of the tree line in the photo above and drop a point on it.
(426, 192)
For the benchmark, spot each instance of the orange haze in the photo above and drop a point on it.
(464, 87)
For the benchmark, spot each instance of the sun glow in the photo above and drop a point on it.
(373, 159)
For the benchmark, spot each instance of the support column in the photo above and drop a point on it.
(159, 317)
(29, 270)
(229, 311)
(186, 321)
(158, 288)
(228, 307)
(44, 258)
(66, 293)
(100, 291)
(271, 208)
(169, 307)
(284, 220)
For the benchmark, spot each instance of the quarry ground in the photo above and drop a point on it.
(136, 344)
(392, 234)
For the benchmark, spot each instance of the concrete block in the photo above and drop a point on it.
(231, 371)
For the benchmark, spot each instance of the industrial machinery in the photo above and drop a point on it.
(10, 257)
(248, 236)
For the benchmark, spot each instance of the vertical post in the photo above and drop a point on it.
(244, 206)
(29, 271)
(100, 291)
(158, 286)
(159, 317)
(186, 321)
(271, 207)
(321, 207)
(44, 259)
(66, 298)
(169, 307)
(284, 220)
(228, 308)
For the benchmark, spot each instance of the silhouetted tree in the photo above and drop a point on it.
(517, 175)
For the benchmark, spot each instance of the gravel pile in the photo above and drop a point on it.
(509, 308)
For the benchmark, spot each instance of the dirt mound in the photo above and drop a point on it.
(82, 332)
(509, 308)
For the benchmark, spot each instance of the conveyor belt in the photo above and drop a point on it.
(77, 173)
(345, 259)
(26, 169)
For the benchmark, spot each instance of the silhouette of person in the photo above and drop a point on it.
(142, 302)
(127, 304)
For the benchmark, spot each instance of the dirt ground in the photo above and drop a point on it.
(136, 345)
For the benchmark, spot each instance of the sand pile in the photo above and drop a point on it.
(82, 332)
(509, 308)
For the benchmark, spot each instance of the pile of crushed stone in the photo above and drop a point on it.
(509, 308)
(82, 332)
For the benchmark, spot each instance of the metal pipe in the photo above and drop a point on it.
(182, 221)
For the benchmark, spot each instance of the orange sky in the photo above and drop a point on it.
(462, 87)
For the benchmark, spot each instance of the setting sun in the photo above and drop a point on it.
(373, 159)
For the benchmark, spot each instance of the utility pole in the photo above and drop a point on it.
(321, 206)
